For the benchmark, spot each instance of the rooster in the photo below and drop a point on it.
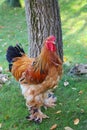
(37, 76)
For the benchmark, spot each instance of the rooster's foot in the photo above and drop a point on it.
(37, 116)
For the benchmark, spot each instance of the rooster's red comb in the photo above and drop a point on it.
(51, 38)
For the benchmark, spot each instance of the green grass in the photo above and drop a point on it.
(74, 27)
(73, 105)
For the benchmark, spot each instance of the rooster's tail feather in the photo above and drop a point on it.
(13, 52)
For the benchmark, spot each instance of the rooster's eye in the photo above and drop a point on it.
(33, 63)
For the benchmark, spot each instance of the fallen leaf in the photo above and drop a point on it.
(7, 117)
(58, 112)
(66, 83)
(67, 63)
(60, 104)
(80, 92)
(57, 118)
(0, 125)
(1, 26)
(3, 45)
(67, 128)
(15, 125)
(1, 40)
(0, 85)
(73, 88)
(85, 56)
(76, 121)
(82, 110)
(65, 59)
(53, 127)
(77, 99)
(1, 69)
(0, 51)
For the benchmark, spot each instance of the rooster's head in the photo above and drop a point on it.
(50, 43)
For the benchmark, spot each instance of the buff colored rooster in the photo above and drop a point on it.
(37, 76)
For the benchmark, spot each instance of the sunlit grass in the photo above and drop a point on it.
(1, 1)
(74, 25)
(22, 3)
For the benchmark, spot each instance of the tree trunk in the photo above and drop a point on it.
(43, 19)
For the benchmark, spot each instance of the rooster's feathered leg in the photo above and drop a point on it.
(49, 99)
(34, 107)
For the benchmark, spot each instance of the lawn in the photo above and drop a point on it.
(72, 99)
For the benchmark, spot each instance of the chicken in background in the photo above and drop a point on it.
(37, 76)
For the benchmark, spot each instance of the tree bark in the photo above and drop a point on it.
(43, 19)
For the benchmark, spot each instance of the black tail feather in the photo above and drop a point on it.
(13, 52)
